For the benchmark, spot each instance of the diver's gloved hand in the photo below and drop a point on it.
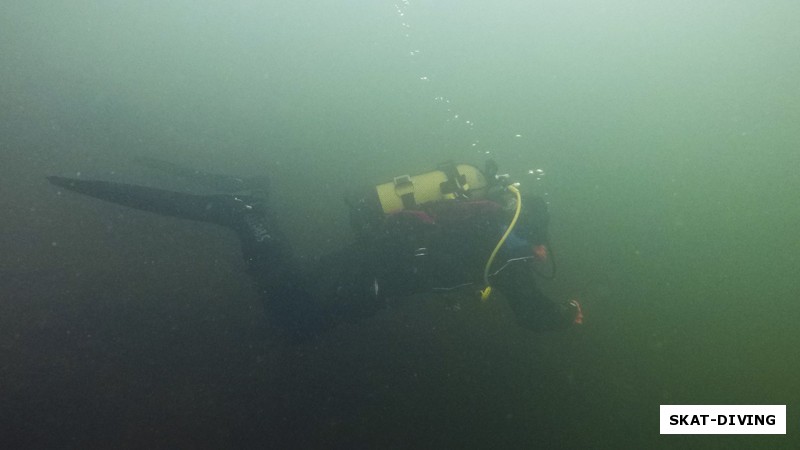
(540, 252)
(575, 306)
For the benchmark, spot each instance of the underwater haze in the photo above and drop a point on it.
(663, 134)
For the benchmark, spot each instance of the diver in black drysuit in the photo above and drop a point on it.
(438, 246)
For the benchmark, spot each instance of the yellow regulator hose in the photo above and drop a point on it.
(487, 291)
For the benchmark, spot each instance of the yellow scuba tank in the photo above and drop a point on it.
(447, 182)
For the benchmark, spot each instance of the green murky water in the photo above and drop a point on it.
(667, 134)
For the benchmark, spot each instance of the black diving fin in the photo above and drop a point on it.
(220, 209)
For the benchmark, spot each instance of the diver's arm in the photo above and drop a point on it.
(532, 309)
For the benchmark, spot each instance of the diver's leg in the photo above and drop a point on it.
(349, 283)
(281, 283)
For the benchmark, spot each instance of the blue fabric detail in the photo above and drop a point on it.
(515, 246)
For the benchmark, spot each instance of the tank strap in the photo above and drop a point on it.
(455, 181)
(404, 187)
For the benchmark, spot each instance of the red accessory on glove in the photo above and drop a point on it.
(540, 252)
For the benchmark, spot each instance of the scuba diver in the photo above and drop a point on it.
(456, 227)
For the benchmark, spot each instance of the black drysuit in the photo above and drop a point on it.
(440, 246)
